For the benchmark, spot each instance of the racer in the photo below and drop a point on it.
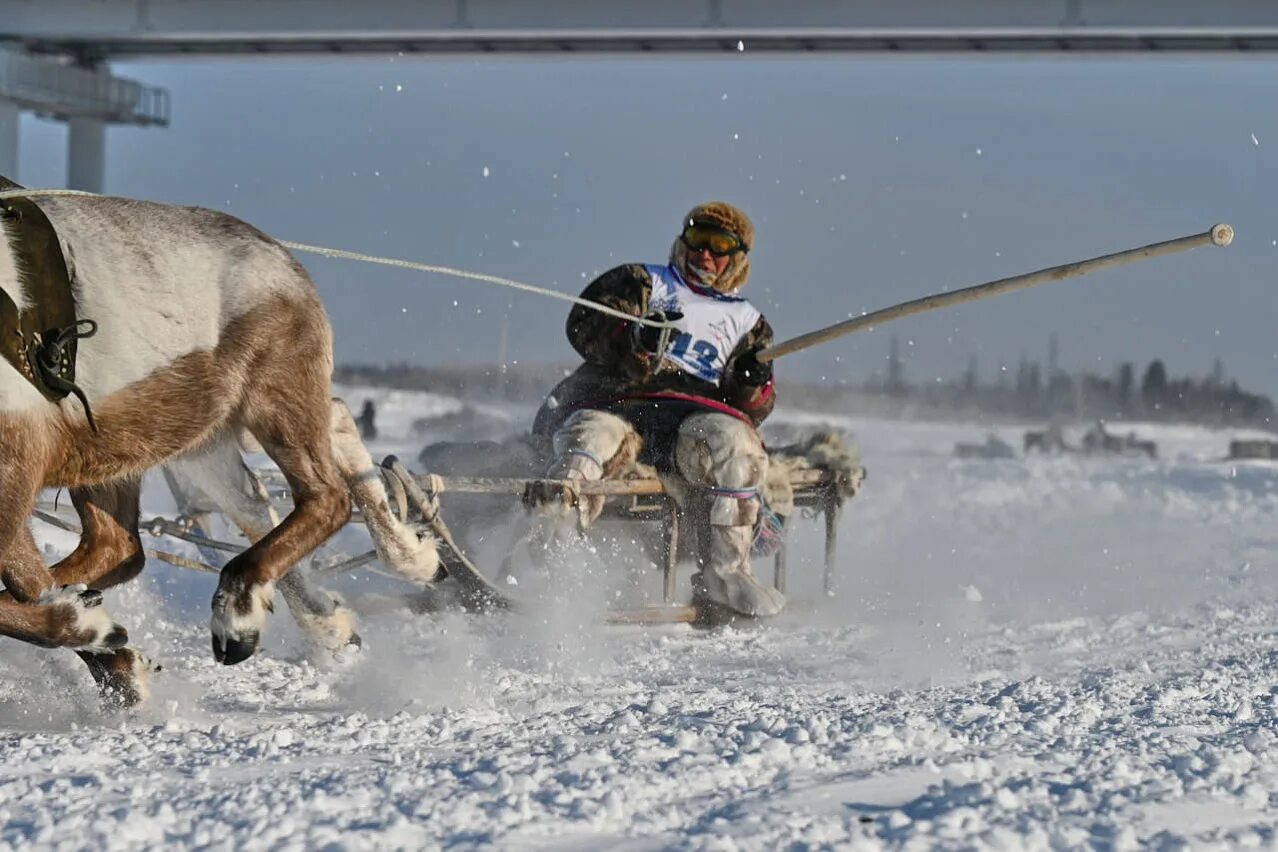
(686, 400)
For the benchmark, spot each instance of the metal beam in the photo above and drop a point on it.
(103, 29)
(641, 41)
(64, 90)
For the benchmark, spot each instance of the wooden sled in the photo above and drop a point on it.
(628, 500)
(415, 499)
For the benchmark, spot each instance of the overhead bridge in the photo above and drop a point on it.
(671, 41)
(97, 30)
(54, 53)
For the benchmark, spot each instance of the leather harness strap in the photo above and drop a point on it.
(40, 340)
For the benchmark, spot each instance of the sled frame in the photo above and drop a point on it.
(646, 500)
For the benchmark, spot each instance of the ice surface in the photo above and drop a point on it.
(1053, 652)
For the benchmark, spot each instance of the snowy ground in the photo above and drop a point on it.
(1023, 653)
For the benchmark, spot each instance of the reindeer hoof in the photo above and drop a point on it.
(123, 678)
(229, 652)
(77, 620)
(239, 614)
(117, 638)
(349, 654)
(334, 632)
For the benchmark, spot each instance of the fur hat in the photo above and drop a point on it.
(720, 214)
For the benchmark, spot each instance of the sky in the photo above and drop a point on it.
(871, 180)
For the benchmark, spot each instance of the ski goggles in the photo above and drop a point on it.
(718, 241)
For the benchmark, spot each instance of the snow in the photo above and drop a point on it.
(1026, 653)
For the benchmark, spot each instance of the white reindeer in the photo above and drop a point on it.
(206, 329)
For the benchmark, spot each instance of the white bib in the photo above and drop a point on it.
(712, 325)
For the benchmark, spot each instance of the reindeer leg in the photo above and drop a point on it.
(219, 475)
(50, 608)
(110, 549)
(109, 553)
(401, 548)
(320, 508)
(26, 578)
(290, 418)
(68, 616)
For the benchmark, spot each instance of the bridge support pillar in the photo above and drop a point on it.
(9, 139)
(86, 153)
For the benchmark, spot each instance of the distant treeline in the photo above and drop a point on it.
(1028, 392)
(1049, 393)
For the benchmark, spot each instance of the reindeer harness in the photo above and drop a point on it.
(40, 341)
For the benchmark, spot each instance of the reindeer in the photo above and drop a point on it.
(208, 332)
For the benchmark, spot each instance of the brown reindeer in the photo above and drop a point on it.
(207, 329)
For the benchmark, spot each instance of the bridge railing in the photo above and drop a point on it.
(58, 88)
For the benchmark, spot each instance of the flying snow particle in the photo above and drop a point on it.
(971, 594)
(399, 87)
(485, 171)
(724, 96)
(979, 152)
(964, 214)
(740, 46)
(736, 136)
(515, 243)
(1254, 140)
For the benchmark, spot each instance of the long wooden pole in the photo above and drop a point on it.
(1219, 235)
(611, 487)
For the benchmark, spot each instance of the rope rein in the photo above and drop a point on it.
(401, 264)
(476, 276)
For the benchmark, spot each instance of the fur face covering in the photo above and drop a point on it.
(718, 214)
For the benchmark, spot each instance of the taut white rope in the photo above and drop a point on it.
(402, 264)
(473, 276)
